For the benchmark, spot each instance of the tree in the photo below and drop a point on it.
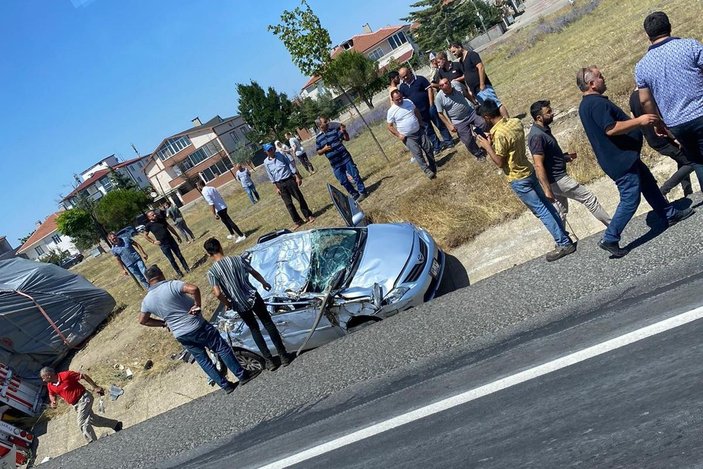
(309, 45)
(54, 256)
(306, 110)
(352, 70)
(119, 207)
(266, 112)
(444, 22)
(120, 181)
(78, 224)
(24, 239)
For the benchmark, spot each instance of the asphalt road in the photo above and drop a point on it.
(511, 321)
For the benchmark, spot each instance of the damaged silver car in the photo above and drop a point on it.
(329, 282)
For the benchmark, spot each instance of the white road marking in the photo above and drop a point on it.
(490, 388)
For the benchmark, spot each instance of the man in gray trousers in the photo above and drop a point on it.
(404, 122)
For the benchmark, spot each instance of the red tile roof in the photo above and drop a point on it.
(91, 180)
(362, 43)
(46, 228)
(129, 162)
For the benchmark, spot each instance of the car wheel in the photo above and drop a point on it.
(249, 360)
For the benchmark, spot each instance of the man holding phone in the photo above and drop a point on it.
(550, 167)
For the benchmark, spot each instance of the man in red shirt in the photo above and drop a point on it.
(67, 385)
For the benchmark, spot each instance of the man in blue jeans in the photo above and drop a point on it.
(506, 148)
(127, 256)
(329, 143)
(178, 305)
(617, 142)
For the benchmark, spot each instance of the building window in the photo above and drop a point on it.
(397, 40)
(56, 238)
(201, 154)
(106, 183)
(172, 146)
(39, 251)
(376, 54)
(222, 166)
(235, 137)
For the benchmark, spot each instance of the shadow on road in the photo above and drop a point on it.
(455, 276)
(656, 225)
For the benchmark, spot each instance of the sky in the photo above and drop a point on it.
(83, 79)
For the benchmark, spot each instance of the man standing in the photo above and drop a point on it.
(162, 231)
(617, 143)
(299, 151)
(668, 146)
(404, 122)
(177, 304)
(475, 77)
(329, 143)
(219, 209)
(507, 151)
(393, 83)
(127, 257)
(670, 81)
(66, 384)
(417, 90)
(287, 181)
(229, 279)
(174, 213)
(244, 177)
(550, 166)
(461, 117)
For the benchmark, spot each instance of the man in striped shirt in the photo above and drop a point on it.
(229, 278)
(329, 143)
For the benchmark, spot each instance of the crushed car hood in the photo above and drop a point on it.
(385, 255)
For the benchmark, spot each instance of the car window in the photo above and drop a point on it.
(333, 251)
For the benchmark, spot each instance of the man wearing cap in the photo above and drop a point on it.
(177, 304)
(66, 384)
(329, 143)
(287, 181)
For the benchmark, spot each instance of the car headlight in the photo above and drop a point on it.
(395, 295)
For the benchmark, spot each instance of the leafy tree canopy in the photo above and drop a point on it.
(267, 112)
(353, 71)
(80, 226)
(119, 207)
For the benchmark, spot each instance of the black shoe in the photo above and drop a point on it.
(229, 387)
(248, 377)
(681, 215)
(614, 249)
(561, 251)
(270, 365)
(286, 359)
(118, 426)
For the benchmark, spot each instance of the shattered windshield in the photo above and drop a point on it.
(304, 262)
(333, 251)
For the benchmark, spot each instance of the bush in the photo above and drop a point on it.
(119, 207)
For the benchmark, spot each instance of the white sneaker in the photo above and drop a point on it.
(240, 239)
(230, 236)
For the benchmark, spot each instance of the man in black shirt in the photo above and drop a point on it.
(474, 76)
(161, 230)
(669, 147)
(550, 167)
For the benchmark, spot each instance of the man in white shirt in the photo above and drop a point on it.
(404, 122)
(300, 153)
(219, 209)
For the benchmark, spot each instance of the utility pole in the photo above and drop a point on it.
(485, 31)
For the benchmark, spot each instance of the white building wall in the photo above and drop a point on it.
(200, 140)
(106, 163)
(47, 245)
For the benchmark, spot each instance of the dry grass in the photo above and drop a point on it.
(466, 198)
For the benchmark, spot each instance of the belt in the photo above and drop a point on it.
(284, 180)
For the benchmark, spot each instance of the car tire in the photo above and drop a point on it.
(250, 361)
(454, 276)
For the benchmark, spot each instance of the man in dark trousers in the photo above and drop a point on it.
(229, 278)
(163, 232)
(174, 213)
(287, 181)
(177, 304)
(417, 89)
(219, 208)
(670, 82)
(66, 384)
(617, 142)
(330, 143)
(668, 146)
